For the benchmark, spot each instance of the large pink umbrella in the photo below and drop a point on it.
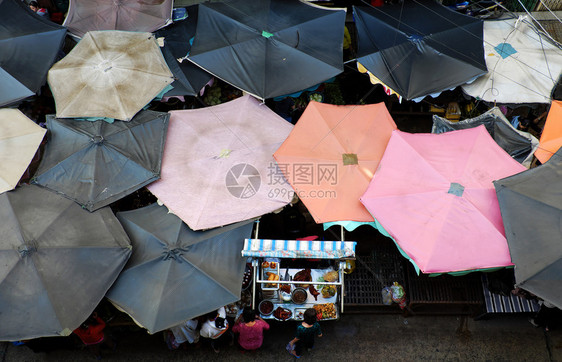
(434, 195)
(218, 165)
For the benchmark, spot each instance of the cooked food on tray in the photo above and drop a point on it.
(325, 311)
(272, 276)
(303, 276)
(328, 291)
(285, 288)
(282, 313)
(265, 264)
(273, 265)
(313, 291)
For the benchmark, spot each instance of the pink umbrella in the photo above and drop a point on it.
(218, 165)
(434, 195)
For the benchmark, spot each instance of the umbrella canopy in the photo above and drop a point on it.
(269, 48)
(434, 195)
(97, 163)
(531, 207)
(29, 45)
(524, 64)
(331, 155)
(57, 261)
(111, 74)
(131, 15)
(218, 166)
(175, 273)
(20, 138)
(190, 79)
(418, 48)
(551, 137)
(519, 145)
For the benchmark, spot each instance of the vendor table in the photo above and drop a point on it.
(298, 309)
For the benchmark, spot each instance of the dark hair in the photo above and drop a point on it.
(219, 322)
(310, 316)
(34, 3)
(249, 315)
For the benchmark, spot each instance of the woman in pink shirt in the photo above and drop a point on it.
(250, 330)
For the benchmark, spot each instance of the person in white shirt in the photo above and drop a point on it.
(215, 327)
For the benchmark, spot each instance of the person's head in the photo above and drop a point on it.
(310, 316)
(33, 5)
(220, 322)
(249, 315)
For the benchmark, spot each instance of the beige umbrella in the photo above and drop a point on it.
(111, 74)
(20, 138)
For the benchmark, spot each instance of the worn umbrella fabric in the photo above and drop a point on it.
(176, 274)
(20, 138)
(433, 194)
(551, 137)
(531, 207)
(518, 144)
(331, 155)
(524, 65)
(130, 15)
(29, 45)
(418, 48)
(57, 261)
(97, 163)
(177, 37)
(269, 48)
(218, 165)
(111, 74)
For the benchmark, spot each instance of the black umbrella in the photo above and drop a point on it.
(97, 163)
(531, 208)
(269, 48)
(57, 261)
(419, 47)
(29, 45)
(176, 274)
(190, 79)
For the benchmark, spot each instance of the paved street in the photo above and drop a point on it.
(355, 337)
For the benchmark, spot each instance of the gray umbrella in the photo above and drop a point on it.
(97, 163)
(57, 261)
(520, 145)
(175, 273)
(531, 207)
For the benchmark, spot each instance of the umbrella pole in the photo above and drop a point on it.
(341, 233)
(255, 266)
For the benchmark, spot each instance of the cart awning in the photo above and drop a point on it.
(310, 249)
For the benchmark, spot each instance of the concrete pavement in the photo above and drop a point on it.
(355, 337)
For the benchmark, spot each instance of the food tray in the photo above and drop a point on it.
(285, 310)
(268, 269)
(298, 314)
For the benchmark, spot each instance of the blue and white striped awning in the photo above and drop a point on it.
(310, 249)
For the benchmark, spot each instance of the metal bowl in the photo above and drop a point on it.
(299, 295)
(262, 304)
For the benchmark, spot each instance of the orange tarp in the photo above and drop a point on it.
(551, 138)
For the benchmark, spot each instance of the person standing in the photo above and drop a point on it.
(306, 331)
(250, 330)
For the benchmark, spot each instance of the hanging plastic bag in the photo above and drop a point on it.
(398, 294)
(386, 296)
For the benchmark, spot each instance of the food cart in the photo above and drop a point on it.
(285, 291)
